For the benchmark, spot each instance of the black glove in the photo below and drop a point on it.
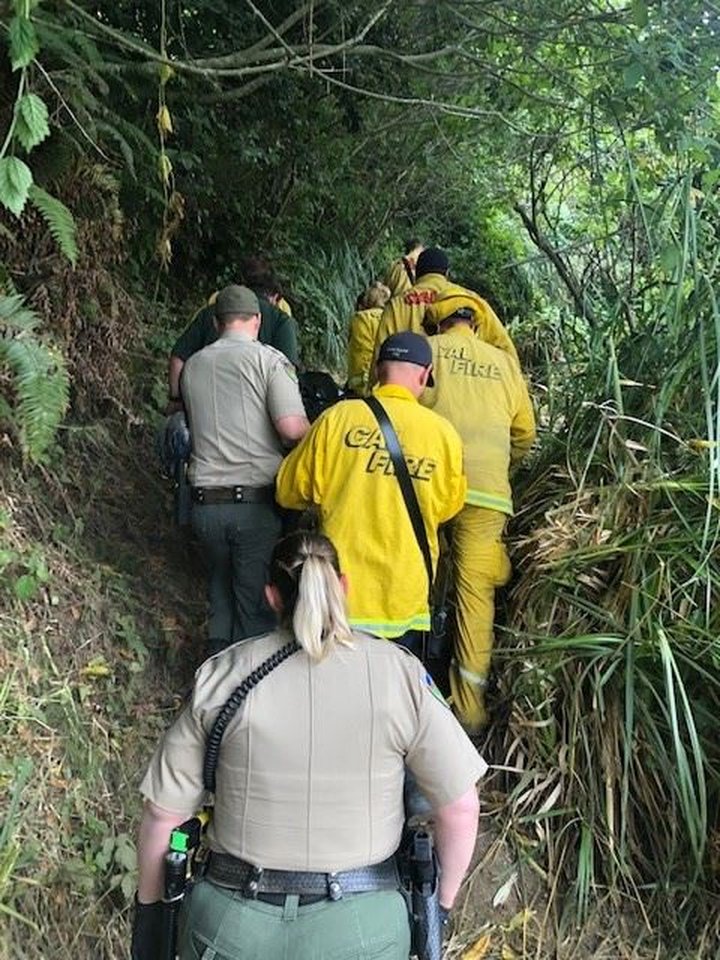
(147, 931)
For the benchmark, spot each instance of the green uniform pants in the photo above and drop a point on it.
(219, 924)
(236, 540)
(480, 564)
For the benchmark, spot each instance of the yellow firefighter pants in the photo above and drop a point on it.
(480, 564)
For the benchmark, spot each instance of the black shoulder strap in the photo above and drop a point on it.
(231, 707)
(408, 271)
(406, 485)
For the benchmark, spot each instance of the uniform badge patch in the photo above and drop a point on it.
(432, 687)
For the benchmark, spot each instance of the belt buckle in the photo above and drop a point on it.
(334, 888)
(251, 887)
(237, 494)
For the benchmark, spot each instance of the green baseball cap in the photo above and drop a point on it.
(236, 300)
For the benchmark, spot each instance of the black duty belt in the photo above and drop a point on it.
(256, 883)
(238, 494)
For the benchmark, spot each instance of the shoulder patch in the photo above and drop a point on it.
(432, 688)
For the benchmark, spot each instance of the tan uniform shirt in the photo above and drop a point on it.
(233, 391)
(310, 775)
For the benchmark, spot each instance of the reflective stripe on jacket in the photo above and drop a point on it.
(343, 467)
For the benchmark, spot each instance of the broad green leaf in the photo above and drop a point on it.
(26, 587)
(15, 182)
(31, 124)
(633, 74)
(640, 12)
(23, 42)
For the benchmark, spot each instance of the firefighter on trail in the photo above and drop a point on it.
(482, 392)
(343, 467)
(363, 329)
(407, 311)
(308, 796)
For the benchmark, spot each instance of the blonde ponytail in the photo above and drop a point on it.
(305, 569)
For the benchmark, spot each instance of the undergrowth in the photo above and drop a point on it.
(101, 604)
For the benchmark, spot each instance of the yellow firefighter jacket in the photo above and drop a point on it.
(400, 277)
(343, 467)
(482, 392)
(407, 312)
(363, 328)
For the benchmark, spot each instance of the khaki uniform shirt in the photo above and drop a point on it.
(233, 391)
(310, 775)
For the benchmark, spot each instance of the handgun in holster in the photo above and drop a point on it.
(180, 863)
(423, 874)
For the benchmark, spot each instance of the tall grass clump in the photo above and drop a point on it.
(611, 654)
(325, 292)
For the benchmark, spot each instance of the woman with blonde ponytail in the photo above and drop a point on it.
(303, 735)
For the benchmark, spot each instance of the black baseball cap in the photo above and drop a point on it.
(407, 347)
(431, 260)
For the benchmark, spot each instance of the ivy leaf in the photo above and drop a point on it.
(31, 124)
(15, 183)
(23, 42)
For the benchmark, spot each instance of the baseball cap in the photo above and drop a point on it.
(431, 260)
(236, 300)
(407, 347)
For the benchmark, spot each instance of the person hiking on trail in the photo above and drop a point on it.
(277, 329)
(482, 392)
(308, 786)
(344, 468)
(407, 311)
(243, 405)
(401, 275)
(362, 330)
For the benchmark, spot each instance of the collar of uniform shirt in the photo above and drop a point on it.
(235, 335)
(394, 390)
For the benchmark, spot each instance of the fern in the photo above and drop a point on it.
(15, 317)
(41, 384)
(59, 220)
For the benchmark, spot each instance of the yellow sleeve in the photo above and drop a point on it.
(360, 352)
(283, 305)
(299, 483)
(522, 428)
(457, 481)
(397, 279)
(390, 322)
(491, 330)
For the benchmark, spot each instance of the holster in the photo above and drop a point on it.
(420, 873)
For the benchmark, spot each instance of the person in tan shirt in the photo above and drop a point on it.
(244, 407)
(309, 781)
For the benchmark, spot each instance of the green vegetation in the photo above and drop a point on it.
(567, 158)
